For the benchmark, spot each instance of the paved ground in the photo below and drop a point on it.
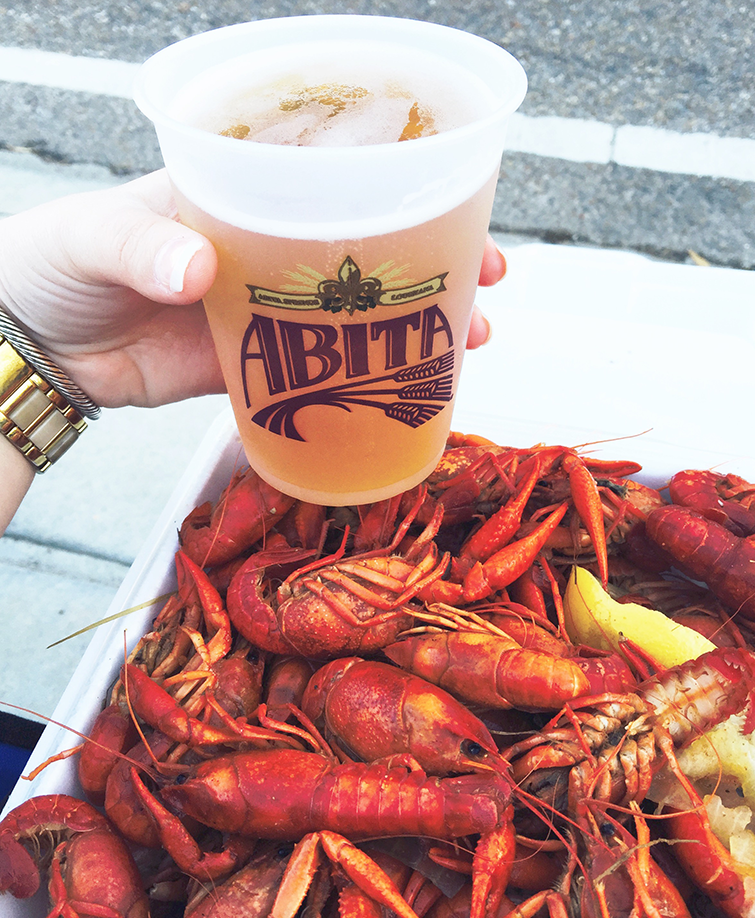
(679, 66)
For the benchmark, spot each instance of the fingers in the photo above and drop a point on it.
(492, 270)
(493, 264)
(129, 236)
(479, 330)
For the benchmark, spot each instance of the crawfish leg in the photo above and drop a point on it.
(189, 857)
(491, 868)
(587, 502)
(358, 866)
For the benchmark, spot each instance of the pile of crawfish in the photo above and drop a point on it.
(379, 708)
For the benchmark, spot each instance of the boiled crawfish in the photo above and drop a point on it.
(286, 794)
(710, 552)
(501, 527)
(609, 748)
(92, 870)
(336, 607)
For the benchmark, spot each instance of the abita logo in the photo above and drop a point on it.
(349, 291)
(400, 363)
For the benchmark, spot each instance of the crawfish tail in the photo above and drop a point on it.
(710, 553)
(696, 696)
(284, 794)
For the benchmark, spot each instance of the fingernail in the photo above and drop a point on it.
(488, 327)
(503, 266)
(172, 261)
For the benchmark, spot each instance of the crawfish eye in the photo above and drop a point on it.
(618, 489)
(473, 749)
(607, 830)
(181, 779)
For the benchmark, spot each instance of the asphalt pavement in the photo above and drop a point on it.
(683, 68)
(678, 71)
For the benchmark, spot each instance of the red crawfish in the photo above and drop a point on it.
(173, 731)
(725, 499)
(248, 893)
(213, 534)
(289, 795)
(502, 655)
(187, 648)
(708, 551)
(373, 710)
(334, 606)
(490, 671)
(92, 870)
(506, 545)
(609, 747)
(473, 477)
(611, 874)
(605, 671)
(502, 567)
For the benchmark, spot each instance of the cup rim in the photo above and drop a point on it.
(160, 118)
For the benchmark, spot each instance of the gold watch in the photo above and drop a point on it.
(34, 416)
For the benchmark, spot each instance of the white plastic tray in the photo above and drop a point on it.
(589, 344)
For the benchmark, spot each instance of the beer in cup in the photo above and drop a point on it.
(344, 167)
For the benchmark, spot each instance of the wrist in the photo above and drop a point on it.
(29, 352)
(17, 475)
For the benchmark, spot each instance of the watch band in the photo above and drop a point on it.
(33, 354)
(34, 416)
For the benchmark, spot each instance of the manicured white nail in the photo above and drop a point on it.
(172, 261)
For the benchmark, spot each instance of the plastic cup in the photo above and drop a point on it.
(347, 271)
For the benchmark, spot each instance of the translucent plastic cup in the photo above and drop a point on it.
(347, 268)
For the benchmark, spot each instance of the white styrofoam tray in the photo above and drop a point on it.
(563, 353)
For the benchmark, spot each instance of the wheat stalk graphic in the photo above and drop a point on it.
(422, 391)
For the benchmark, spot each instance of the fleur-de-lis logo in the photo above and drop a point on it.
(350, 291)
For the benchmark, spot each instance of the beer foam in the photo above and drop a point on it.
(333, 97)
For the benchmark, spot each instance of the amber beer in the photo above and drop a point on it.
(347, 271)
(363, 411)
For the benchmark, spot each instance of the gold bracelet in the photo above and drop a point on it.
(34, 416)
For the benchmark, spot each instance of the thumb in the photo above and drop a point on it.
(130, 236)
